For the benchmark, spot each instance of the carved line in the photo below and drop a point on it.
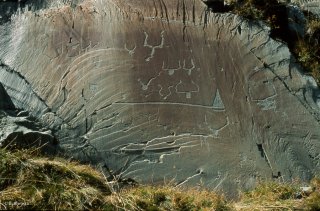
(187, 93)
(170, 103)
(130, 51)
(146, 86)
(171, 71)
(153, 48)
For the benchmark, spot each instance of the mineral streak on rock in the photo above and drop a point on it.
(164, 91)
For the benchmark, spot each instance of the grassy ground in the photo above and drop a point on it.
(30, 181)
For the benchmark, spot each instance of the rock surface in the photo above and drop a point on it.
(309, 5)
(164, 91)
(19, 130)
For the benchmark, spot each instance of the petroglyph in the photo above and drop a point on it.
(145, 86)
(267, 104)
(189, 70)
(187, 89)
(262, 90)
(217, 131)
(153, 48)
(165, 96)
(130, 51)
(171, 71)
(93, 88)
(170, 104)
(94, 58)
(172, 85)
(217, 102)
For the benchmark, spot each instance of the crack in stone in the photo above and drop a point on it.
(42, 112)
(312, 112)
(8, 69)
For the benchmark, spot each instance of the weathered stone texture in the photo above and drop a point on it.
(164, 91)
(309, 5)
(22, 132)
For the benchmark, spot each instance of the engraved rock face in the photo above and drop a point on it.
(164, 91)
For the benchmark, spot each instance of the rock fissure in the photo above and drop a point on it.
(8, 69)
(313, 112)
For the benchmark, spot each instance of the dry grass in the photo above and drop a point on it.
(307, 49)
(312, 202)
(308, 55)
(271, 196)
(281, 196)
(262, 10)
(29, 181)
(170, 198)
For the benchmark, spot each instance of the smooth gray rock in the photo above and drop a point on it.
(165, 91)
(23, 132)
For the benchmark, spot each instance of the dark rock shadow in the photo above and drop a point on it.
(46, 143)
(5, 100)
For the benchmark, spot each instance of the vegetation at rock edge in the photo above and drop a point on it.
(29, 180)
(305, 48)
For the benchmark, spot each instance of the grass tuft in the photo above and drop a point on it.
(170, 198)
(35, 182)
(29, 181)
(271, 192)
